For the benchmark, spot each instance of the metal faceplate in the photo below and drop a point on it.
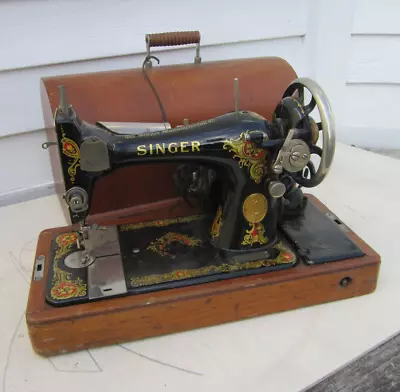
(95, 156)
(106, 275)
(104, 241)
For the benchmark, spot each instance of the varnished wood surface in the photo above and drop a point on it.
(55, 330)
(196, 92)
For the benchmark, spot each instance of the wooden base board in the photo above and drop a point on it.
(60, 330)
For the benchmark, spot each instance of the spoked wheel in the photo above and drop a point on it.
(297, 113)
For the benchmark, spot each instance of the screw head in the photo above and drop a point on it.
(345, 281)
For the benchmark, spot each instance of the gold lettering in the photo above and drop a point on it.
(161, 149)
(141, 150)
(184, 146)
(174, 150)
(195, 146)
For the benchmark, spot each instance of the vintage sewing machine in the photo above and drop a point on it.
(240, 170)
(243, 240)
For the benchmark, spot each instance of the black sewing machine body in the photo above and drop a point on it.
(241, 171)
(215, 148)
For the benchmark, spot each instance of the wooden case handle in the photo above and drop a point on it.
(175, 38)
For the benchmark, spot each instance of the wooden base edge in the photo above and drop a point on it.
(191, 313)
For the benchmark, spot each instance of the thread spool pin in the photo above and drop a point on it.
(236, 84)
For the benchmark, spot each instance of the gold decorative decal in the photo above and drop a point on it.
(71, 150)
(160, 244)
(159, 223)
(299, 105)
(255, 235)
(255, 207)
(216, 226)
(249, 156)
(63, 286)
(285, 256)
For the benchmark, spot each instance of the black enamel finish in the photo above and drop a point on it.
(212, 263)
(319, 238)
(321, 241)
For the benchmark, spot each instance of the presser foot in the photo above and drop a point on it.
(87, 264)
(77, 259)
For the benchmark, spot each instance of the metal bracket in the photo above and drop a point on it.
(39, 268)
(293, 155)
(338, 222)
(46, 145)
(278, 164)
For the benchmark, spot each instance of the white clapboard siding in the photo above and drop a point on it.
(373, 79)
(59, 31)
(25, 170)
(374, 59)
(21, 91)
(376, 17)
(373, 105)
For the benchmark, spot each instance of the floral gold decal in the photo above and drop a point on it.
(285, 256)
(217, 223)
(159, 223)
(71, 150)
(249, 155)
(160, 245)
(255, 235)
(63, 286)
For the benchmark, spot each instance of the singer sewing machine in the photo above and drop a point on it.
(242, 172)
(244, 240)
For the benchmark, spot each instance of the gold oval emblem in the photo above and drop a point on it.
(255, 207)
